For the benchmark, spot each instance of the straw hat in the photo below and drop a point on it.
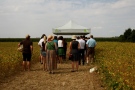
(27, 36)
(50, 37)
(74, 37)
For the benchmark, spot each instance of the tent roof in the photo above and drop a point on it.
(71, 25)
(71, 28)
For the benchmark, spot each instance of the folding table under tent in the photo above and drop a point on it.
(71, 28)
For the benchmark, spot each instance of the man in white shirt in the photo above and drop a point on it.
(81, 50)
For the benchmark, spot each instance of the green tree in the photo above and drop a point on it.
(122, 38)
(133, 35)
(127, 34)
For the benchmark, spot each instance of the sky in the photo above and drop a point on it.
(105, 18)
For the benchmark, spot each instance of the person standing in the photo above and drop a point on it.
(85, 48)
(81, 50)
(43, 53)
(65, 48)
(51, 48)
(26, 52)
(56, 41)
(60, 48)
(74, 50)
(40, 45)
(91, 44)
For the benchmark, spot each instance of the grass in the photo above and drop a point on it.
(115, 60)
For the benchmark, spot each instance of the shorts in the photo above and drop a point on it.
(40, 50)
(43, 53)
(91, 51)
(26, 56)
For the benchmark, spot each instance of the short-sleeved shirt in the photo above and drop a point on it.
(50, 45)
(40, 41)
(82, 43)
(91, 42)
(74, 47)
(43, 46)
(26, 46)
(56, 41)
(60, 44)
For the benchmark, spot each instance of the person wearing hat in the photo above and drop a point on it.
(51, 48)
(26, 52)
(74, 50)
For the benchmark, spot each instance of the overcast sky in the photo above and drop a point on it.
(106, 18)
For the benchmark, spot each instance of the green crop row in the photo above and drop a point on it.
(117, 64)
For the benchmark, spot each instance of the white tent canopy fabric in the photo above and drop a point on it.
(71, 28)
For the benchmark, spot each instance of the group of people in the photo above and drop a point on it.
(53, 51)
(82, 51)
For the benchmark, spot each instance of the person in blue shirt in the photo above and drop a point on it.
(91, 44)
(56, 41)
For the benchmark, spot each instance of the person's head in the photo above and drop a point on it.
(83, 36)
(27, 36)
(50, 37)
(55, 37)
(60, 37)
(73, 37)
(91, 36)
(77, 37)
(64, 40)
(43, 35)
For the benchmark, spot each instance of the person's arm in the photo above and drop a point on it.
(63, 43)
(55, 46)
(95, 44)
(31, 47)
(46, 47)
(70, 47)
(87, 44)
(79, 45)
(19, 44)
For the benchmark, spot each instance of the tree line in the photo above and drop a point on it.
(128, 36)
(109, 39)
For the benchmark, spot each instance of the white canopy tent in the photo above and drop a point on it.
(71, 28)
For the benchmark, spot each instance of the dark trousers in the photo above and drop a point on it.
(81, 52)
(64, 56)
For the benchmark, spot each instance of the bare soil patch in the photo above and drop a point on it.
(63, 79)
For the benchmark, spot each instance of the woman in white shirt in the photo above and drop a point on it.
(60, 48)
(40, 45)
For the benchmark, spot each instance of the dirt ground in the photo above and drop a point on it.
(63, 79)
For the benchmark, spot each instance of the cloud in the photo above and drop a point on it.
(97, 27)
(40, 16)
